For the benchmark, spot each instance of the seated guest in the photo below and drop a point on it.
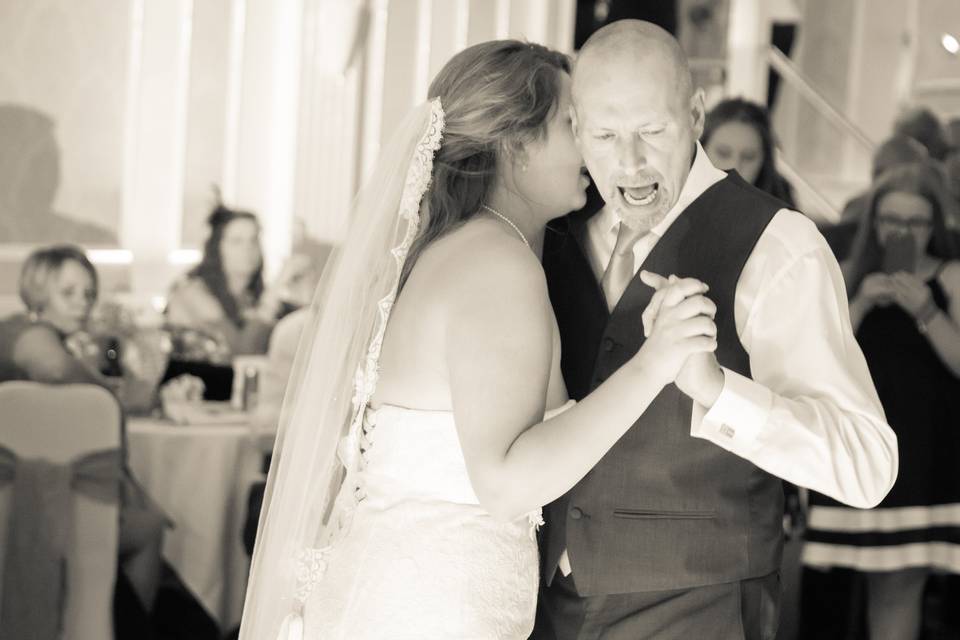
(284, 345)
(903, 277)
(58, 285)
(263, 424)
(225, 294)
(275, 373)
(737, 135)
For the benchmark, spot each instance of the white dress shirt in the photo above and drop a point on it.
(810, 415)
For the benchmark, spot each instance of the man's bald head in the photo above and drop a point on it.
(636, 46)
(636, 118)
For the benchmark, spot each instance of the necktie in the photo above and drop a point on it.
(620, 270)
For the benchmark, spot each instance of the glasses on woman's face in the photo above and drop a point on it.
(895, 223)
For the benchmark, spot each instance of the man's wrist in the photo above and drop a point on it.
(711, 389)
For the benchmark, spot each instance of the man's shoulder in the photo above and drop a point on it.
(791, 234)
(753, 201)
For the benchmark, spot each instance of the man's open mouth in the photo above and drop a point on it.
(640, 196)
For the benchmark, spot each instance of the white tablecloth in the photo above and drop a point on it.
(201, 476)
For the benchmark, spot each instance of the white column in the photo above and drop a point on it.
(158, 83)
(375, 62)
(449, 29)
(903, 89)
(329, 132)
(565, 22)
(530, 20)
(421, 82)
(749, 36)
(264, 164)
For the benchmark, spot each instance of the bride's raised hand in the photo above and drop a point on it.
(678, 322)
(658, 283)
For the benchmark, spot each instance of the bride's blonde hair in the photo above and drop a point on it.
(497, 97)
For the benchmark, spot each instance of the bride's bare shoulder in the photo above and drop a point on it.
(481, 256)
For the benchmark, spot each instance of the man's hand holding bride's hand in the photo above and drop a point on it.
(700, 376)
(678, 324)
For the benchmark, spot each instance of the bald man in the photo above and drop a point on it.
(677, 532)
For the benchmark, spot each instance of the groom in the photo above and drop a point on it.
(676, 533)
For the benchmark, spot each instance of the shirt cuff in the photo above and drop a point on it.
(737, 417)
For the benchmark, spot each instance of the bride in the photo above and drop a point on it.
(427, 420)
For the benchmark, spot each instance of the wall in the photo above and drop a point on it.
(870, 61)
(281, 103)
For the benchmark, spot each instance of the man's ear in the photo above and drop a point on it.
(574, 122)
(698, 111)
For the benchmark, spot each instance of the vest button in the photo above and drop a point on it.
(576, 513)
(608, 344)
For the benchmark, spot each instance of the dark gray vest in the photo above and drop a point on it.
(661, 510)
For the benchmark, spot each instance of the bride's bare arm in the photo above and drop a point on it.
(498, 347)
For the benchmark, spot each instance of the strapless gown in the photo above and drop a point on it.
(421, 558)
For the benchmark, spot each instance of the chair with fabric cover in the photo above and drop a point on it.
(60, 469)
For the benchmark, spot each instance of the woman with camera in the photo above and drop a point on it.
(903, 278)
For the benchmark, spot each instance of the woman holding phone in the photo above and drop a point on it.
(903, 278)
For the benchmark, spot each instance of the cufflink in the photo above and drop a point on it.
(727, 430)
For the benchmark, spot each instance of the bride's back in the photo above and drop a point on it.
(413, 360)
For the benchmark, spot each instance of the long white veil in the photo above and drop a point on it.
(334, 375)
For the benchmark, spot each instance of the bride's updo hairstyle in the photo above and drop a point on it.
(497, 97)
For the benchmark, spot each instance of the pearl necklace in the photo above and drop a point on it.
(508, 221)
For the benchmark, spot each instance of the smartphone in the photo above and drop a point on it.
(900, 253)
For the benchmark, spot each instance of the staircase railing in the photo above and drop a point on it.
(793, 76)
(826, 208)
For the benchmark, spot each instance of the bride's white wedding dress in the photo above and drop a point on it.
(420, 557)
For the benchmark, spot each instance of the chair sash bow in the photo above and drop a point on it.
(40, 532)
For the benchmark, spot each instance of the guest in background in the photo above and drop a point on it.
(923, 125)
(908, 325)
(953, 133)
(897, 150)
(284, 345)
(58, 285)
(263, 423)
(952, 167)
(737, 135)
(225, 294)
(276, 371)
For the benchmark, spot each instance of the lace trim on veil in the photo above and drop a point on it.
(311, 563)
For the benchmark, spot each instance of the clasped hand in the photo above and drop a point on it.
(681, 336)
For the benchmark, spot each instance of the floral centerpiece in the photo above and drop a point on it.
(132, 355)
(195, 345)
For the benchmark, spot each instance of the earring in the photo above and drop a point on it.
(523, 167)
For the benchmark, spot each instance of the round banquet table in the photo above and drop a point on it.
(200, 474)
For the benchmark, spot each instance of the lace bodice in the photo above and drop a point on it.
(413, 455)
(420, 558)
